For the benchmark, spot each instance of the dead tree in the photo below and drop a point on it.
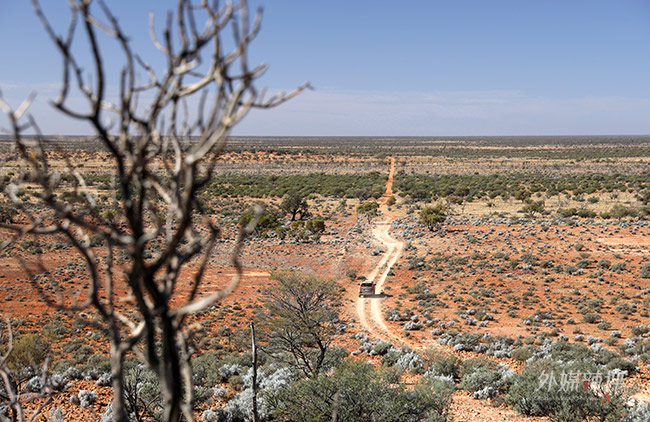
(163, 132)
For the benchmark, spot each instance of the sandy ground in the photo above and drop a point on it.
(323, 259)
(369, 311)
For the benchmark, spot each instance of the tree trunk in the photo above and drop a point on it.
(170, 372)
(117, 373)
(256, 416)
(335, 407)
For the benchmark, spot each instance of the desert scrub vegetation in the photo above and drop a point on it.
(358, 392)
(563, 361)
(285, 392)
(498, 346)
(484, 378)
(519, 186)
(571, 391)
(362, 186)
(7, 212)
(550, 384)
(567, 152)
(603, 148)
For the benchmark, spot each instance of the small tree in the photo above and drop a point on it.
(301, 318)
(368, 208)
(294, 203)
(533, 207)
(434, 216)
(522, 194)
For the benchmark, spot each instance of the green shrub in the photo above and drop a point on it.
(471, 365)
(644, 271)
(604, 325)
(618, 267)
(82, 354)
(481, 378)
(297, 225)
(591, 318)
(566, 352)
(98, 362)
(620, 211)
(434, 216)
(604, 356)
(315, 225)
(246, 218)
(267, 222)
(390, 358)
(570, 269)
(142, 392)
(362, 394)
(382, 348)
(520, 185)
(640, 330)
(621, 364)
(71, 345)
(57, 327)
(532, 393)
(529, 258)
(61, 365)
(446, 365)
(566, 212)
(204, 369)
(362, 185)
(625, 309)
(604, 263)
(587, 214)
(29, 351)
(369, 209)
(7, 212)
(522, 353)
(533, 207)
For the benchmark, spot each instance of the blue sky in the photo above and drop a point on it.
(464, 67)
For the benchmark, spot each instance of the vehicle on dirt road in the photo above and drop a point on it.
(366, 288)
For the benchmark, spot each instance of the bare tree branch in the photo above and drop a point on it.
(163, 135)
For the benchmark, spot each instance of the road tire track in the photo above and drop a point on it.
(369, 309)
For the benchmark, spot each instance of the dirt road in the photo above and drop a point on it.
(369, 309)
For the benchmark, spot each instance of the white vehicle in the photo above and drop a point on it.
(366, 288)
